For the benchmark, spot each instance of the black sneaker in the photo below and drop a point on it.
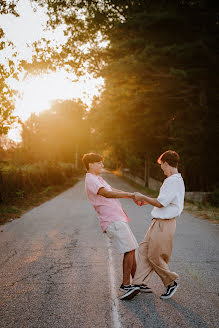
(144, 288)
(133, 291)
(124, 288)
(170, 290)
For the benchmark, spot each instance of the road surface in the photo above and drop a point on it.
(57, 270)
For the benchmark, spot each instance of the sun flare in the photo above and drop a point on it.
(38, 92)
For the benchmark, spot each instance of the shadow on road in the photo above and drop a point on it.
(147, 314)
(193, 319)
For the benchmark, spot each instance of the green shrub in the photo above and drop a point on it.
(214, 198)
(109, 163)
(20, 193)
(134, 164)
(15, 181)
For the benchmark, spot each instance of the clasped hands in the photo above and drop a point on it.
(138, 199)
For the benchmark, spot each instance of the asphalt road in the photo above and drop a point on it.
(57, 270)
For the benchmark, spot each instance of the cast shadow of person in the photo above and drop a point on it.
(145, 311)
(193, 319)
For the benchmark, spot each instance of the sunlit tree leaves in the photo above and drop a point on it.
(6, 70)
(57, 134)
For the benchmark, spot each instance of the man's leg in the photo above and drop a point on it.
(124, 240)
(143, 271)
(127, 266)
(144, 268)
(133, 266)
(160, 249)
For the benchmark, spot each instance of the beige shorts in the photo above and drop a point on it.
(121, 236)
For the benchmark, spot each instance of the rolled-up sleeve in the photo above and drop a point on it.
(93, 185)
(167, 193)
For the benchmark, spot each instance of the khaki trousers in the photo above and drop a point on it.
(154, 253)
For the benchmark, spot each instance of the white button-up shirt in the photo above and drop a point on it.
(171, 196)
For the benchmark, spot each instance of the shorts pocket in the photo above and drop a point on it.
(116, 226)
(110, 230)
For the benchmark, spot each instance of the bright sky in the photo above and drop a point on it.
(37, 92)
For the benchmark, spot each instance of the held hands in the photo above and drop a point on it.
(140, 203)
(138, 196)
(138, 199)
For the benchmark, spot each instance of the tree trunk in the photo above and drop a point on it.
(146, 171)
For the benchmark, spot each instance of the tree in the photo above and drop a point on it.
(57, 134)
(162, 86)
(161, 73)
(6, 70)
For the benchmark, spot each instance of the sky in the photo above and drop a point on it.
(37, 92)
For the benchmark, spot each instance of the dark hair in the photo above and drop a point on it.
(91, 158)
(169, 156)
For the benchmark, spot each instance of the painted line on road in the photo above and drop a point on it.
(113, 288)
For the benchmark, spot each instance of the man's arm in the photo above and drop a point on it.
(149, 200)
(139, 203)
(113, 189)
(115, 194)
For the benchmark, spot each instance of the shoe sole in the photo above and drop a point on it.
(146, 291)
(129, 296)
(169, 296)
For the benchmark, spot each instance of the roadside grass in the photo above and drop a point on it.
(205, 210)
(26, 201)
(148, 191)
(24, 186)
(145, 190)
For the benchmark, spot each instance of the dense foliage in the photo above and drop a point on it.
(162, 88)
(18, 181)
(57, 134)
(160, 61)
(7, 69)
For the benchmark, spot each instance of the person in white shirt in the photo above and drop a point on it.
(155, 250)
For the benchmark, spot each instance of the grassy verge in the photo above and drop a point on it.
(205, 211)
(145, 190)
(20, 205)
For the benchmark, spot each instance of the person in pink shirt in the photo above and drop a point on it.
(112, 218)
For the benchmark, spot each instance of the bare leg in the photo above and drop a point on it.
(133, 266)
(127, 267)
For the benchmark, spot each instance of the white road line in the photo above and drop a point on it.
(113, 287)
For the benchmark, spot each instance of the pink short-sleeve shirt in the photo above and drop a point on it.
(108, 209)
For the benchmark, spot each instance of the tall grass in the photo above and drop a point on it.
(16, 181)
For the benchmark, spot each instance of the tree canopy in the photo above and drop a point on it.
(6, 70)
(162, 86)
(56, 134)
(159, 60)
